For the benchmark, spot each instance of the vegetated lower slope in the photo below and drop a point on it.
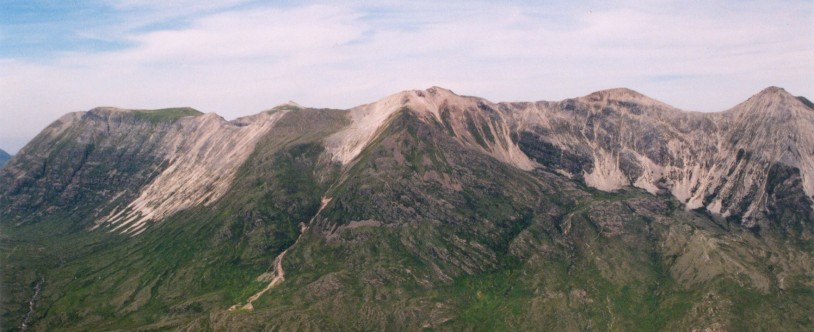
(423, 210)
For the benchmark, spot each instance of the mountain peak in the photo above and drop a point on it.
(440, 90)
(107, 109)
(772, 100)
(772, 90)
(619, 93)
(287, 106)
(773, 93)
(625, 95)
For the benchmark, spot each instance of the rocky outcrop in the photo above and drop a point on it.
(202, 155)
(721, 162)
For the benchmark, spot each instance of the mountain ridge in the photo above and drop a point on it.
(595, 152)
(619, 93)
(424, 209)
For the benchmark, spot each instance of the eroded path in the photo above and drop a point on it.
(278, 275)
(31, 304)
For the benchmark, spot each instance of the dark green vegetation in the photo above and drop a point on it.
(806, 101)
(421, 232)
(165, 114)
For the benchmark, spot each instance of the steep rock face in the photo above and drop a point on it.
(718, 161)
(610, 139)
(769, 140)
(470, 120)
(135, 166)
(202, 155)
(617, 138)
(84, 157)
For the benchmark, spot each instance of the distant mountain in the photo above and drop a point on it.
(4, 157)
(806, 102)
(423, 210)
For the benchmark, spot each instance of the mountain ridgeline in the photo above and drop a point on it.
(423, 210)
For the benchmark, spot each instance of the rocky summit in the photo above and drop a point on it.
(423, 210)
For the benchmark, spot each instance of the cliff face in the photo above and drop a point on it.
(722, 162)
(81, 162)
(122, 168)
(726, 163)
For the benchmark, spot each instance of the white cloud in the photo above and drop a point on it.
(173, 4)
(247, 34)
(245, 59)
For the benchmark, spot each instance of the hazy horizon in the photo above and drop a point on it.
(236, 58)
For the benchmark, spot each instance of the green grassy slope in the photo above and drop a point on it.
(165, 114)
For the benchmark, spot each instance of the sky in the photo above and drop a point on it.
(239, 57)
